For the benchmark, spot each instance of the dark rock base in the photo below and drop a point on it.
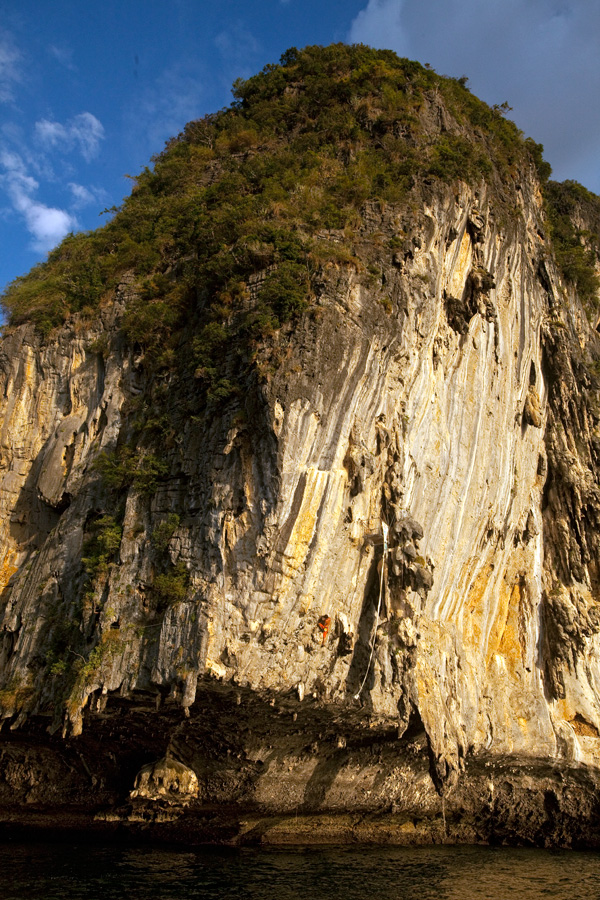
(272, 770)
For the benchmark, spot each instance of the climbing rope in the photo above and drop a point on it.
(383, 561)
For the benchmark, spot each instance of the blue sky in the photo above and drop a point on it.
(89, 90)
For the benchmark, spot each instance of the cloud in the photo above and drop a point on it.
(51, 134)
(81, 195)
(46, 224)
(63, 55)
(85, 196)
(379, 25)
(539, 55)
(10, 67)
(24, 163)
(160, 111)
(239, 51)
(87, 131)
(35, 158)
(83, 132)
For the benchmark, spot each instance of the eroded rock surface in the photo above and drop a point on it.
(166, 780)
(452, 398)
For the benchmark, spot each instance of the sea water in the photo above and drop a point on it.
(80, 871)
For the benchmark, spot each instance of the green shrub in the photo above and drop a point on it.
(163, 532)
(59, 667)
(285, 291)
(101, 546)
(543, 168)
(172, 586)
(577, 252)
(117, 467)
(454, 157)
(149, 472)
(126, 467)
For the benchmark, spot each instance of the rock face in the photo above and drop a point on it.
(289, 659)
(166, 780)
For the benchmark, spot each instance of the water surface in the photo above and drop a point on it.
(42, 871)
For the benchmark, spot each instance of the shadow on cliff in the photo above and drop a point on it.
(321, 780)
(32, 526)
(32, 518)
(366, 624)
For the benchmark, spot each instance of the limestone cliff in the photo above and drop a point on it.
(211, 598)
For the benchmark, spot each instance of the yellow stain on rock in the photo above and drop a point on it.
(7, 569)
(475, 609)
(458, 277)
(307, 602)
(578, 722)
(29, 369)
(317, 483)
(583, 728)
(234, 529)
(77, 360)
(504, 635)
(565, 710)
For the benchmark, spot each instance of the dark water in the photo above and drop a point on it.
(81, 872)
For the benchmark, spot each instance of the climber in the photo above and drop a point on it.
(324, 624)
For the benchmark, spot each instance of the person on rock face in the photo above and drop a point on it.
(324, 625)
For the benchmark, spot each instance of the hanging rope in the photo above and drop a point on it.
(383, 561)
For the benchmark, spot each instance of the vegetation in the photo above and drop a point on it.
(577, 250)
(171, 586)
(83, 671)
(162, 534)
(127, 466)
(17, 693)
(101, 546)
(251, 190)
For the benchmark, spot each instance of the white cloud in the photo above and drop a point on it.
(539, 55)
(32, 160)
(82, 196)
(379, 25)
(24, 164)
(10, 67)
(161, 111)
(51, 134)
(62, 55)
(85, 196)
(47, 225)
(87, 131)
(239, 50)
(84, 132)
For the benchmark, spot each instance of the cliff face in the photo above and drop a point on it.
(233, 600)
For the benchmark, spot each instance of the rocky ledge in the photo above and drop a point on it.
(248, 769)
